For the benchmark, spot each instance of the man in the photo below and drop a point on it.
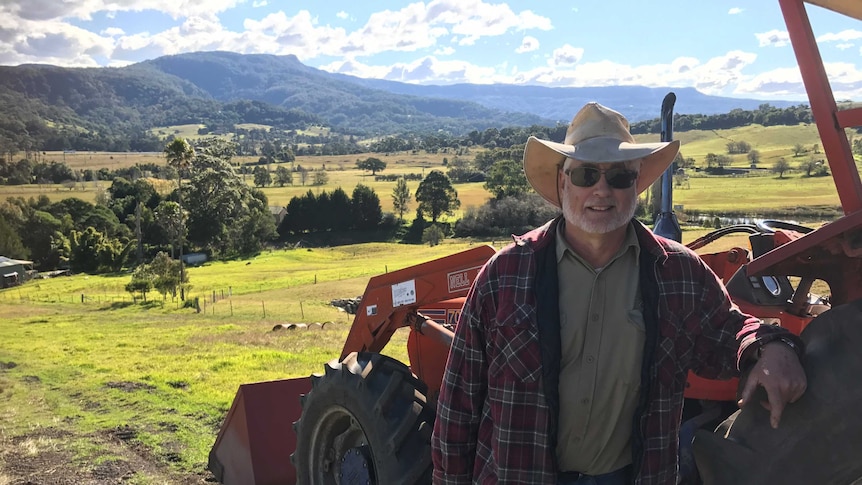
(570, 358)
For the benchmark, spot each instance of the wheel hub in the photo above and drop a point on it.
(356, 466)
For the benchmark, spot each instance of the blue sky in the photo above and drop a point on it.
(733, 48)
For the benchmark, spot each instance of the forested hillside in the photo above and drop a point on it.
(115, 109)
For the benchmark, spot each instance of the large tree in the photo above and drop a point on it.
(372, 164)
(436, 196)
(226, 216)
(401, 197)
(780, 166)
(283, 176)
(340, 205)
(366, 208)
(10, 242)
(172, 218)
(180, 155)
(262, 178)
(93, 252)
(166, 275)
(506, 179)
(42, 235)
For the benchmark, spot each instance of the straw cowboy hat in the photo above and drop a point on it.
(597, 135)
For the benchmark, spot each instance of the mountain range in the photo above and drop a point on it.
(220, 89)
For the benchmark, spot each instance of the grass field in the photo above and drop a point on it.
(83, 366)
(750, 194)
(79, 357)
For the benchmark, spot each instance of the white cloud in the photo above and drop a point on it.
(735, 11)
(49, 42)
(425, 70)
(711, 77)
(529, 44)
(718, 76)
(112, 32)
(774, 38)
(474, 19)
(300, 35)
(416, 26)
(84, 9)
(777, 82)
(566, 56)
(843, 36)
(259, 3)
(40, 31)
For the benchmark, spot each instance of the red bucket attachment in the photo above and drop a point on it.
(254, 444)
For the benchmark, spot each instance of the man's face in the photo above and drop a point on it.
(600, 208)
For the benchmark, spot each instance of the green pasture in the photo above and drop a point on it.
(82, 358)
(755, 194)
(190, 131)
(78, 355)
(749, 194)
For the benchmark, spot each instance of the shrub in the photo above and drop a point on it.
(506, 216)
(433, 235)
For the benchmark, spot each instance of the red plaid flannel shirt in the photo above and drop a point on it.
(493, 418)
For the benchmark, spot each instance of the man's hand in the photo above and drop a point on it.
(779, 372)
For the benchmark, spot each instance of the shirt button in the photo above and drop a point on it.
(585, 401)
(595, 317)
(590, 359)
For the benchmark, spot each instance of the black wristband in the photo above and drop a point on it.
(786, 341)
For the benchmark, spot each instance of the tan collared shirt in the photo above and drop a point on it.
(602, 338)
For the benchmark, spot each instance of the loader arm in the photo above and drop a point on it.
(390, 297)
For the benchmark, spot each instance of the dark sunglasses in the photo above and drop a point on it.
(617, 177)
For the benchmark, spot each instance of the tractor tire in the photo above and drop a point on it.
(365, 420)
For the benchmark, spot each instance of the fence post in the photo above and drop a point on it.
(263, 304)
(301, 311)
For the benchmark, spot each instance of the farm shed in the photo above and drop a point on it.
(194, 259)
(14, 271)
(278, 214)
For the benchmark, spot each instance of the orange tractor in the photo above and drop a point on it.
(368, 418)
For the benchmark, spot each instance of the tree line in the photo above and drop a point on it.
(284, 139)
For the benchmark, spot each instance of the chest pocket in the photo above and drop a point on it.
(513, 348)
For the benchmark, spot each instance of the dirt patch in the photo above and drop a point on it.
(8, 365)
(40, 458)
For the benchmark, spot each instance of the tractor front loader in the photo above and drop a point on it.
(368, 418)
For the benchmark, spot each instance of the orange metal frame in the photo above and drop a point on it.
(390, 297)
(832, 253)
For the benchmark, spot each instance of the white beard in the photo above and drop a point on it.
(620, 216)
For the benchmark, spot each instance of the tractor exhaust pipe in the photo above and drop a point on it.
(666, 224)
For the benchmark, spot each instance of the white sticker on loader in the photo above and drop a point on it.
(404, 293)
(371, 310)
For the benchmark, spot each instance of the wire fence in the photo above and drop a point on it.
(215, 303)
